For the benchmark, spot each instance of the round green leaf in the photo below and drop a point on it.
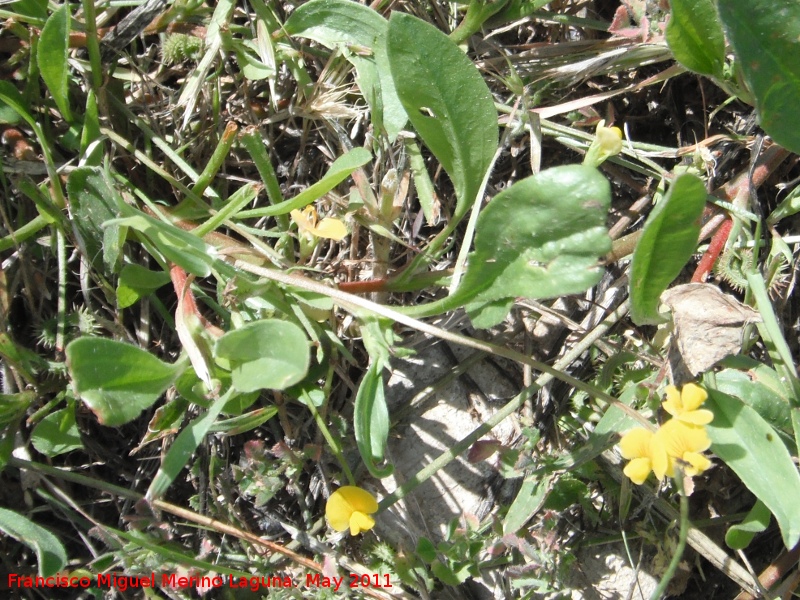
(268, 354)
(57, 433)
(541, 238)
(116, 381)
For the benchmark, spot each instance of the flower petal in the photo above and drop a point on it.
(692, 396)
(330, 228)
(338, 511)
(638, 469)
(360, 522)
(697, 417)
(636, 443)
(673, 403)
(697, 463)
(679, 437)
(663, 463)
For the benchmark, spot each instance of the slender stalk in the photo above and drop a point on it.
(217, 158)
(683, 534)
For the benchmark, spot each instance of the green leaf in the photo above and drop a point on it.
(49, 552)
(754, 451)
(758, 386)
(695, 36)
(12, 101)
(184, 249)
(93, 202)
(360, 33)
(341, 168)
(184, 446)
(268, 354)
(540, 238)
(51, 56)
(116, 381)
(668, 241)
(371, 421)
(135, 281)
(739, 536)
(57, 433)
(765, 35)
(530, 499)
(446, 100)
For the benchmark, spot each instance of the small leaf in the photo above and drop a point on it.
(668, 241)
(57, 433)
(739, 536)
(135, 281)
(267, 354)
(695, 36)
(371, 421)
(755, 452)
(178, 246)
(530, 499)
(116, 381)
(49, 552)
(94, 202)
(540, 238)
(51, 56)
(184, 446)
(758, 386)
(446, 100)
(765, 35)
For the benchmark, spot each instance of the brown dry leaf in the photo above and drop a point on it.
(707, 324)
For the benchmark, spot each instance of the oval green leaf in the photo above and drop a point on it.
(57, 433)
(371, 422)
(540, 238)
(695, 36)
(51, 57)
(765, 35)
(668, 241)
(739, 536)
(446, 100)
(755, 452)
(116, 381)
(49, 552)
(268, 354)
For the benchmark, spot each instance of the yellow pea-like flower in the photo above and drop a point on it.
(308, 223)
(685, 404)
(350, 507)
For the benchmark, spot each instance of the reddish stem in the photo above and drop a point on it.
(714, 249)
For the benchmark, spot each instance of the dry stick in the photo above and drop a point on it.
(775, 572)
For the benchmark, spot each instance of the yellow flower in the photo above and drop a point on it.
(642, 448)
(684, 405)
(330, 228)
(607, 143)
(350, 507)
(609, 138)
(683, 444)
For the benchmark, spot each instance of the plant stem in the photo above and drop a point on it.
(682, 536)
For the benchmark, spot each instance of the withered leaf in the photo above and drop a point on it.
(707, 324)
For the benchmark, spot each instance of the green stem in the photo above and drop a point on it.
(217, 159)
(93, 46)
(682, 536)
